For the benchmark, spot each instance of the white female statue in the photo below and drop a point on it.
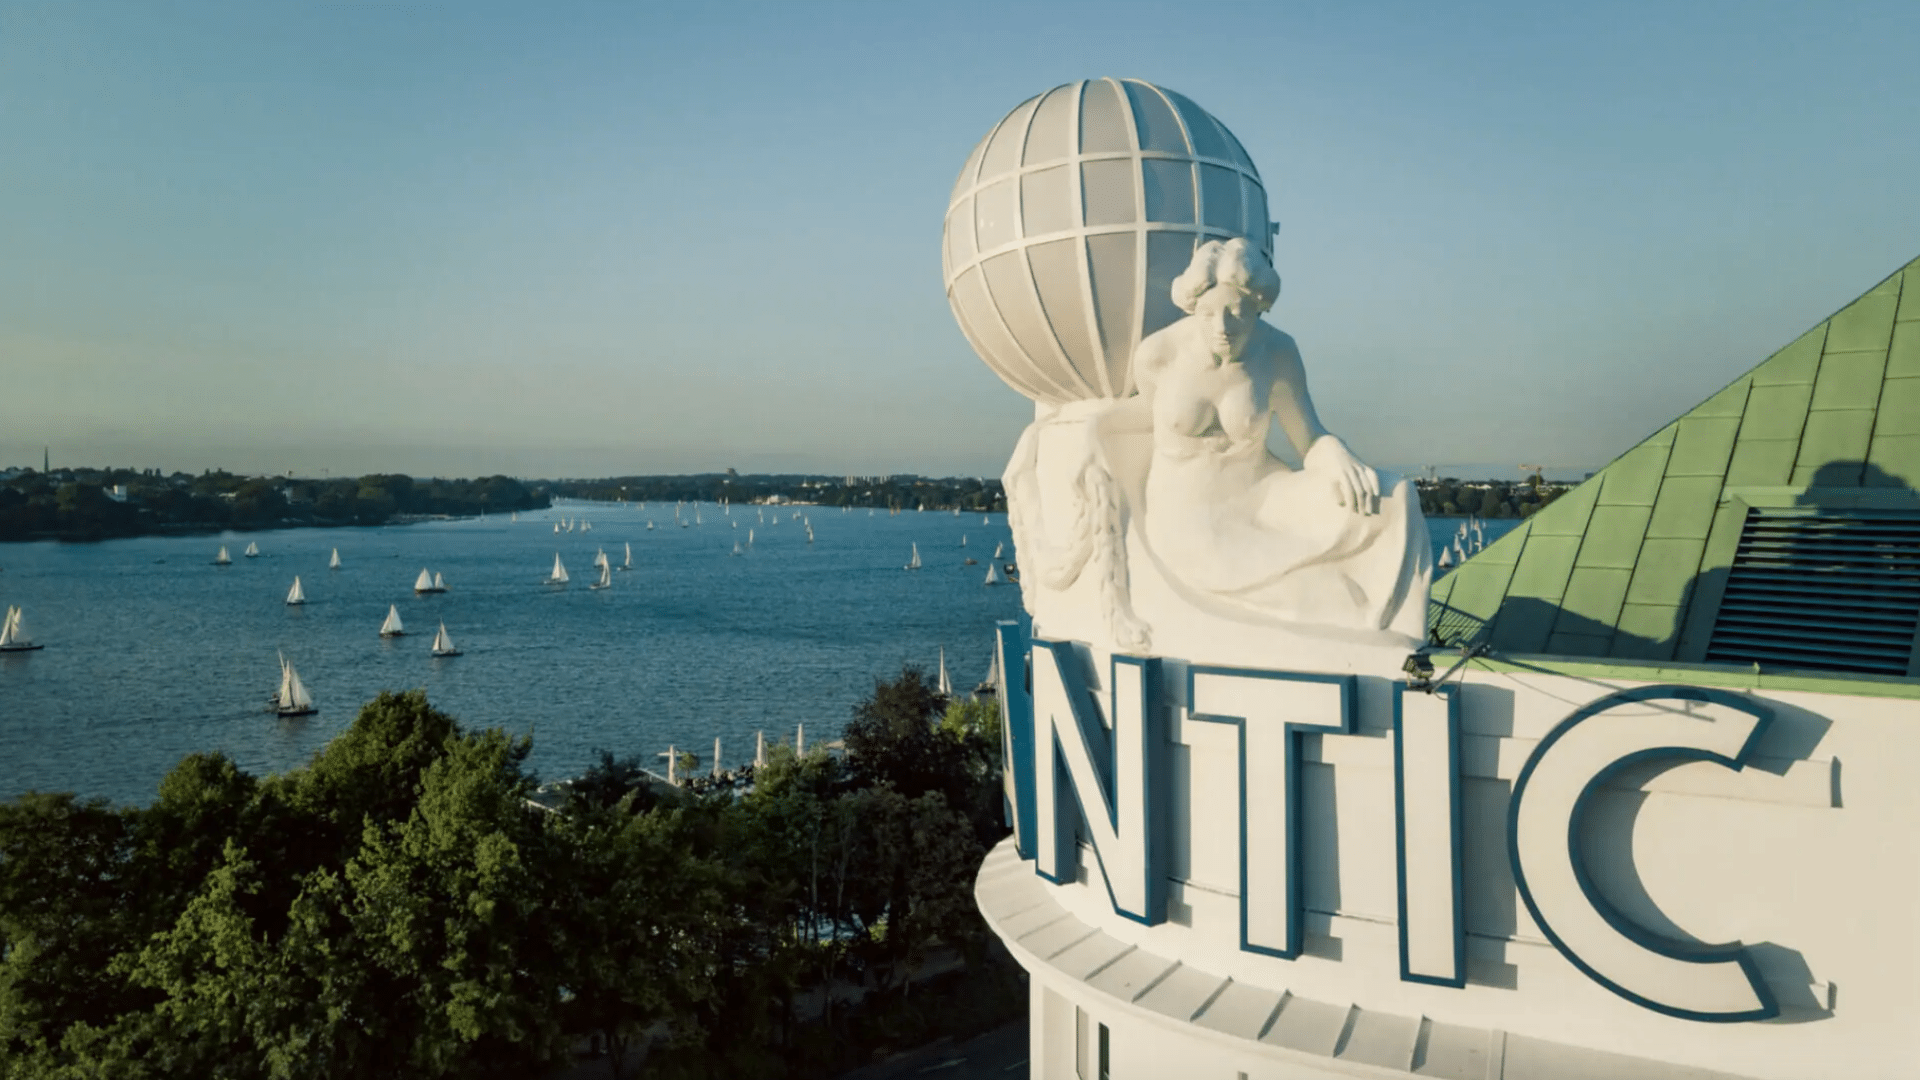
(1228, 530)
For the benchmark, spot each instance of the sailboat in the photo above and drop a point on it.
(393, 627)
(600, 558)
(983, 519)
(606, 577)
(997, 549)
(809, 532)
(443, 643)
(993, 574)
(963, 539)
(515, 517)
(586, 526)
(991, 684)
(334, 563)
(439, 583)
(736, 547)
(945, 685)
(253, 550)
(914, 563)
(696, 515)
(649, 524)
(749, 538)
(223, 559)
(293, 699)
(556, 526)
(1445, 561)
(296, 597)
(559, 575)
(13, 634)
(628, 565)
(423, 583)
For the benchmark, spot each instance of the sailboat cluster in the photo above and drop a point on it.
(293, 699)
(1467, 542)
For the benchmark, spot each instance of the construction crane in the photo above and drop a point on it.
(1532, 473)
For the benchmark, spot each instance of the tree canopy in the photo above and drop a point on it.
(401, 907)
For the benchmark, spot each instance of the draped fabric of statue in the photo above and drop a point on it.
(1177, 484)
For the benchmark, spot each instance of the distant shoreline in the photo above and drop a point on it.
(211, 529)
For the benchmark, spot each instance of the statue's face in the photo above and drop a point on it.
(1227, 318)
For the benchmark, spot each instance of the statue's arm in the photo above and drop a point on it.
(1356, 485)
(1288, 397)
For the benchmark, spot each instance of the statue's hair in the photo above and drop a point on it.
(1233, 263)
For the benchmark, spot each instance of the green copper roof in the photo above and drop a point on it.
(1626, 566)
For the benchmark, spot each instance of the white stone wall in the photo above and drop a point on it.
(1809, 854)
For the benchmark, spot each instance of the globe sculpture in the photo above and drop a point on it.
(1071, 220)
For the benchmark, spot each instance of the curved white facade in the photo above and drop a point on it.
(1763, 922)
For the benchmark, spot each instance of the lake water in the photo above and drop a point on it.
(153, 652)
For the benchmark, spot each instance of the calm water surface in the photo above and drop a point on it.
(153, 652)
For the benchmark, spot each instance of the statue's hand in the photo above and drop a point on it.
(1356, 485)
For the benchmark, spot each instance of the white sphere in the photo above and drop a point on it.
(1071, 220)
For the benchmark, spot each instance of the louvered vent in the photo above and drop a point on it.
(1835, 591)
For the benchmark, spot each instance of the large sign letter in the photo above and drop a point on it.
(1272, 709)
(1653, 723)
(1115, 777)
(1016, 729)
(1427, 828)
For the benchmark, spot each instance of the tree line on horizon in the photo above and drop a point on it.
(399, 907)
(74, 504)
(1450, 497)
(901, 491)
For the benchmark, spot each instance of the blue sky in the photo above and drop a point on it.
(584, 239)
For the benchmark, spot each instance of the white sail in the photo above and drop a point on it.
(515, 517)
(586, 525)
(914, 563)
(439, 583)
(295, 595)
(759, 748)
(749, 536)
(392, 627)
(334, 563)
(559, 575)
(736, 547)
(993, 574)
(963, 539)
(993, 668)
(556, 526)
(997, 549)
(297, 695)
(606, 576)
(443, 643)
(629, 563)
(1446, 558)
(223, 558)
(600, 557)
(423, 583)
(293, 697)
(809, 532)
(253, 550)
(649, 524)
(945, 686)
(9, 630)
(716, 758)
